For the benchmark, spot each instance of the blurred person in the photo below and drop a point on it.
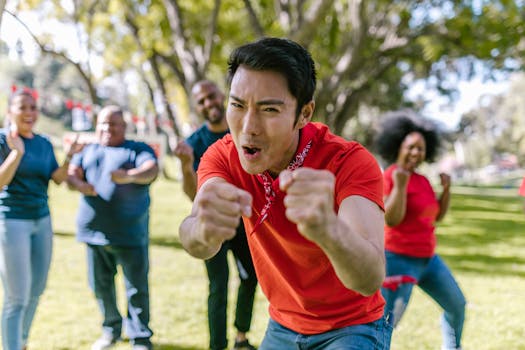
(411, 211)
(209, 103)
(311, 203)
(113, 176)
(28, 163)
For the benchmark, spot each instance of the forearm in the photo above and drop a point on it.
(359, 263)
(61, 173)
(444, 202)
(9, 167)
(74, 182)
(189, 181)
(395, 206)
(188, 233)
(144, 174)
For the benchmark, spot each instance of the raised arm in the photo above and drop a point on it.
(396, 201)
(214, 218)
(12, 161)
(189, 177)
(444, 199)
(61, 173)
(352, 238)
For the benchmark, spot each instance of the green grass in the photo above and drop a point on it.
(482, 240)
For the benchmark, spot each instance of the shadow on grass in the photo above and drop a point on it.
(483, 235)
(174, 347)
(162, 241)
(168, 346)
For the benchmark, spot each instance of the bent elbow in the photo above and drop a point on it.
(393, 221)
(370, 286)
(369, 290)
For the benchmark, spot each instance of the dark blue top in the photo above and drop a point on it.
(25, 197)
(119, 214)
(200, 140)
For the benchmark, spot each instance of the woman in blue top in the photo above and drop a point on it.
(27, 164)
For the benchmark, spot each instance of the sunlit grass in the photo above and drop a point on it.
(482, 239)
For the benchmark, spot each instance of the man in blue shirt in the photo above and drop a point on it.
(113, 176)
(209, 103)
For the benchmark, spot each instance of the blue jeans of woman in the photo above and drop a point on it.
(436, 280)
(370, 336)
(25, 256)
(102, 268)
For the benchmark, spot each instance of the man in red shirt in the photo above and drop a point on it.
(311, 203)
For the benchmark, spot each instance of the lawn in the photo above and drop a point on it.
(482, 239)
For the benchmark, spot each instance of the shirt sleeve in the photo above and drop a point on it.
(215, 162)
(144, 153)
(358, 173)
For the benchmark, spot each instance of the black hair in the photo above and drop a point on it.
(396, 126)
(283, 56)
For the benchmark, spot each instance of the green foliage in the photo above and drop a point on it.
(367, 53)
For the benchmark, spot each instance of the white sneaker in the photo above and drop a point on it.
(141, 347)
(106, 341)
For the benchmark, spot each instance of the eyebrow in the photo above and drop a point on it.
(260, 103)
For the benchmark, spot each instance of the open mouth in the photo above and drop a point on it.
(251, 151)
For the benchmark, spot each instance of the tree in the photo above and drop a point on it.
(496, 127)
(367, 51)
(80, 9)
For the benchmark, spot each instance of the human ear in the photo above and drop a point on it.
(306, 114)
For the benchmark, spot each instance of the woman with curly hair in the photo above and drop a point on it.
(411, 210)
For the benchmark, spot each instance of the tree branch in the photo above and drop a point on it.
(315, 14)
(209, 38)
(86, 76)
(254, 20)
(180, 42)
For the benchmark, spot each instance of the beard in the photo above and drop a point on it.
(216, 116)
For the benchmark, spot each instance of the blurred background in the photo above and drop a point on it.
(458, 62)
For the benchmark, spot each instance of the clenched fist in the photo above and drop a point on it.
(309, 200)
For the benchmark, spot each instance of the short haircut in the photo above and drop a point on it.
(396, 126)
(110, 110)
(283, 56)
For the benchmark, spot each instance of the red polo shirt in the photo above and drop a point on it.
(414, 236)
(296, 276)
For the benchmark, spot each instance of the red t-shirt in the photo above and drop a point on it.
(296, 276)
(414, 236)
(522, 188)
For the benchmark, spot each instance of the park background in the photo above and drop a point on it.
(372, 57)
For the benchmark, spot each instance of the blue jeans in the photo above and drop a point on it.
(436, 280)
(102, 268)
(370, 336)
(25, 256)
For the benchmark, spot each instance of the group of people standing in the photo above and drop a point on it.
(335, 243)
(113, 176)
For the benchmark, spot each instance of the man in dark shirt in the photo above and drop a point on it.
(209, 103)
